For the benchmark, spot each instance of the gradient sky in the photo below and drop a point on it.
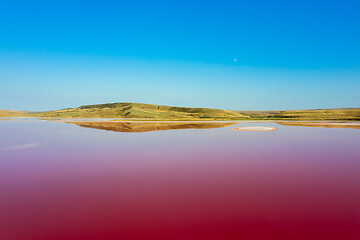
(289, 54)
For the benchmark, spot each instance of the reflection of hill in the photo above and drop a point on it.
(321, 124)
(151, 126)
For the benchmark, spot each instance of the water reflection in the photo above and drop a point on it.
(151, 126)
(60, 181)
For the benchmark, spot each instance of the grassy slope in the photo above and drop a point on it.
(12, 113)
(140, 110)
(322, 114)
(159, 112)
(351, 114)
(259, 114)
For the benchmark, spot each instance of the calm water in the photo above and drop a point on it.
(63, 181)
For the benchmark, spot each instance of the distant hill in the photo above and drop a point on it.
(348, 114)
(259, 114)
(160, 112)
(12, 113)
(141, 110)
(321, 114)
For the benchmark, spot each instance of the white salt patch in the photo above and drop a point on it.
(255, 129)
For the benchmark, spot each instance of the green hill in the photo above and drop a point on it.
(141, 110)
(160, 112)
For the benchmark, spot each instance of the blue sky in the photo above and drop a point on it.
(289, 54)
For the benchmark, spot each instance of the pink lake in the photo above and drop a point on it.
(60, 181)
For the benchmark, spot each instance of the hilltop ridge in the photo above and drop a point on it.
(143, 111)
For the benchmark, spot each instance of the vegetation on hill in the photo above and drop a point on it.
(349, 114)
(141, 110)
(12, 113)
(259, 114)
(321, 114)
(160, 112)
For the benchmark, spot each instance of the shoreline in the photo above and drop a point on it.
(290, 123)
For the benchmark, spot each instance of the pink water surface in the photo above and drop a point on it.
(61, 181)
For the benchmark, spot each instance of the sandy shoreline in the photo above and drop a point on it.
(295, 123)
